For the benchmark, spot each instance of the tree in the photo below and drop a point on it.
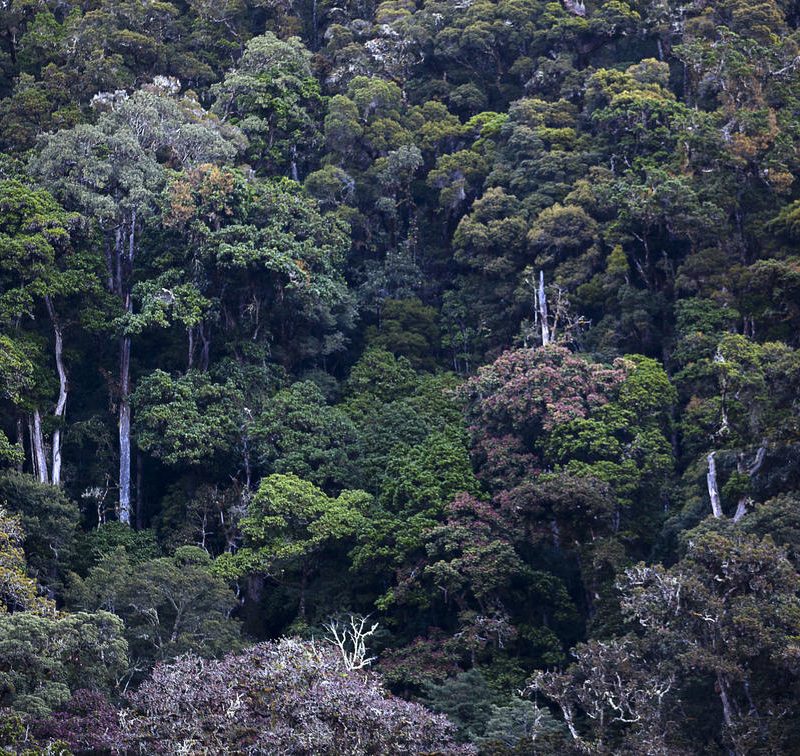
(466, 700)
(111, 172)
(274, 99)
(19, 591)
(490, 244)
(289, 523)
(268, 258)
(87, 721)
(291, 695)
(39, 271)
(378, 377)
(299, 433)
(16, 374)
(613, 686)
(526, 393)
(470, 559)
(185, 420)
(402, 419)
(44, 658)
(420, 481)
(49, 520)
(737, 614)
(409, 329)
(719, 622)
(351, 640)
(170, 605)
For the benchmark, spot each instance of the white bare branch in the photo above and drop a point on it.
(351, 640)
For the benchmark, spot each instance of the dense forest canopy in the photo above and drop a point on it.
(406, 377)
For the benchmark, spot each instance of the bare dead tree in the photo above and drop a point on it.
(351, 639)
(543, 310)
(554, 321)
(750, 471)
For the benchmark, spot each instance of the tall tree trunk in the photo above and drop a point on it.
(125, 268)
(63, 386)
(125, 432)
(713, 490)
(727, 713)
(37, 443)
(248, 472)
(205, 353)
(556, 532)
(543, 311)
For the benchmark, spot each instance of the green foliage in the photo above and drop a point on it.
(263, 250)
(271, 95)
(408, 329)
(466, 699)
(289, 520)
(519, 724)
(299, 433)
(379, 377)
(35, 236)
(429, 475)
(19, 591)
(96, 545)
(420, 481)
(170, 605)
(44, 658)
(185, 420)
(49, 520)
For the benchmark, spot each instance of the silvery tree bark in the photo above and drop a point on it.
(63, 387)
(543, 316)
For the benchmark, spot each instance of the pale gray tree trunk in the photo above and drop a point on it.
(744, 501)
(713, 490)
(37, 443)
(206, 353)
(125, 432)
(543, 316)
(741, 509)
(727, 712)
(61, 404)
(190, 351)
(125, 383)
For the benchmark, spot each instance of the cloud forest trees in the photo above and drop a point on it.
(41, 274)
(20, 592)
(722, 619)
(476, 318)
(112, 172)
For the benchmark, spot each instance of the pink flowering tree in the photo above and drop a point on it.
(524, 394)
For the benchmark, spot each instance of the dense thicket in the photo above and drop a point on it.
(479, 317)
